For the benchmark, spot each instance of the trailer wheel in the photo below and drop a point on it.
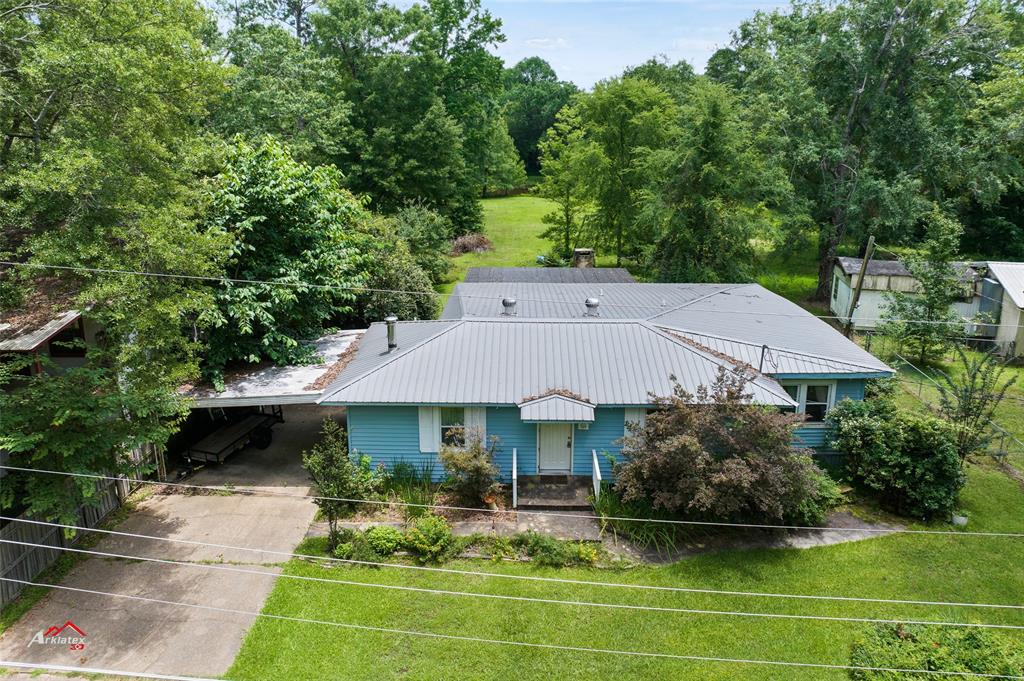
(262, 438)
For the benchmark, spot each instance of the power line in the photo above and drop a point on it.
(550, 514)
(96, 670)
(331, 287)
(524, 599)
(523, 644)
(529, 578)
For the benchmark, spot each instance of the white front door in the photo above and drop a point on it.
(554, 441)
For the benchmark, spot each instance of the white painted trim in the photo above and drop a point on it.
(572, 447)
(802, 398)
(430, 429)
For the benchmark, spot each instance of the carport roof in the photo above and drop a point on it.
(270, 385)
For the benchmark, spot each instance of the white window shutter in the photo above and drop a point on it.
(634, 415)
(476, 421)
(430, 429)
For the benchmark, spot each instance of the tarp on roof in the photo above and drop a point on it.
(557, 408)
(550, 275)
(1011, 276)
(273, 385)
(503, 362)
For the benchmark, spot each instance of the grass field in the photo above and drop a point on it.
(914, 567)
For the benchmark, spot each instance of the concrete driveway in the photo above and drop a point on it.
(147, 637)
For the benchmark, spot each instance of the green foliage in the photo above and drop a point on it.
(429, 236)
(909, 460)
(470, 470)
(501, 169)
(533, 97)
(397, 284)
(717, 456)
(815, 507)
(384, 539)
(715, 192)
(430, 539)
(81, 420)
(569, 167)
(672, 78)
(356, 546)
(969, 398)
(925, 321)
(338, 476)
(618, 516)
(412, 486)
(952, 650)
(291, 225)
(550, 552)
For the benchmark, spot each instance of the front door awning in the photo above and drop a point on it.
(556, 408)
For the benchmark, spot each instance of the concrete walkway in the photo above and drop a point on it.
(165, 639)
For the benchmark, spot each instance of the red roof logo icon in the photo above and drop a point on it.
(56, 631)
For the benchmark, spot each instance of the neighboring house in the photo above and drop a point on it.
(1003, 299)
(886, 276)
(550, 275)
(45, 325)
(558, 372)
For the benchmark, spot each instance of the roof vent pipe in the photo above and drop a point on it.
(508, 306)
(591, 304)
(392, 322)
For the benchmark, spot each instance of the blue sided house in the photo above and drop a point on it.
(558, 371)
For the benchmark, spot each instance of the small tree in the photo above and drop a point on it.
(470, 468)
(338, 476)
(969, 399)
(718, 456)
(926, 320)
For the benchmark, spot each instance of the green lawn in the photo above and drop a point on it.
(915, 567)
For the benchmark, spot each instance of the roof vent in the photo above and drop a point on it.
(592, 304)
(392, 322)
(508, 306)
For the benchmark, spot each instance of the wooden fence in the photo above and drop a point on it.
(27, 562)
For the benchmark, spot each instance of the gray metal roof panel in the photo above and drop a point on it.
(1011, 276)
(506, 361)
(550, 275)
(896, 268)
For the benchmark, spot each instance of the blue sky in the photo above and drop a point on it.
(588, 40)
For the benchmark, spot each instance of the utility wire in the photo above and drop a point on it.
(522, 644)
(528, 578)
(96, 670)
(522, 599)
(329, 287)
(549, 514)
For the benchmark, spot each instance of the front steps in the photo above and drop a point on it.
(554, 493)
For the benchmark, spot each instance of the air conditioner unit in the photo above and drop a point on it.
(582, 426)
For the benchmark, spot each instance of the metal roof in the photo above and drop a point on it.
(896, 268)
(1011, 276)
(566, 301)
(30, 338)
(550, 275)
(496, 362)
(556, 408)
(268, 385)
(747, 314)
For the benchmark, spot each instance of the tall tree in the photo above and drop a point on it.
(672, 78)
(501, 168)
(570, 164)
(867, 101)
(626, 118)
(533, 96)
(715, 192)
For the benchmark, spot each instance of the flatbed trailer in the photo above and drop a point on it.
(254, 428)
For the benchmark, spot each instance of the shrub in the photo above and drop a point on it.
(384, 539)
(815, 507)
(717, 456)
(662, 537)
(546, 550)
(336, 475)
(470, 469)
(429, 236)
(430, 539)
(358, 547)
(471, 243)
(909, 460)
(898, 646)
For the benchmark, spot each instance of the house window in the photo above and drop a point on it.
(835, 287)
(453, 426)
(69, 343)
(814, 399)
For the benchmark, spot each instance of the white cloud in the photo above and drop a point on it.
(547, 43)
